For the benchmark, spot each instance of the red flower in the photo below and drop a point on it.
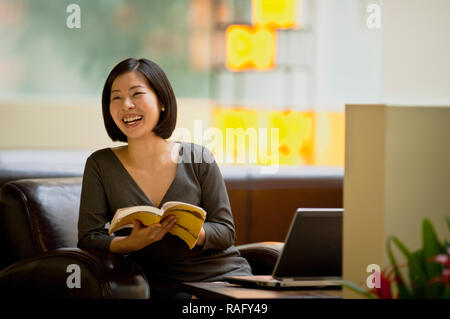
(384, 292)
(446, 276)
(442, 259)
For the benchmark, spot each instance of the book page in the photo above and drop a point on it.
(145, 218)
(123, 212)
(181, 205)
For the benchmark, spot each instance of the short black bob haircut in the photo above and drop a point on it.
(160, 85)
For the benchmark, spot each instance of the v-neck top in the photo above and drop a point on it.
(128, 176)
(107, 186)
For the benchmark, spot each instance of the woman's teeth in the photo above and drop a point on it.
(130, 120)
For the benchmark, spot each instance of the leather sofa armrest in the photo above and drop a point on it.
(48, 275)
(261, 256)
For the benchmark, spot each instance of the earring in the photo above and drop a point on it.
(163, 109)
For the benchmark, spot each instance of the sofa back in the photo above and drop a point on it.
(264, 205)
(21, 164)
(38, 215)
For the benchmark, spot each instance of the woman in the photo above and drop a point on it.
(139, 108)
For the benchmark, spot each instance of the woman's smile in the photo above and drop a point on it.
(131, 121)
(134, 106)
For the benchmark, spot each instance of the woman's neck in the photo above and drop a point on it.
(149, 152)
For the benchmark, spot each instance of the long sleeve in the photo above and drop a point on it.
(94, 210)
(219, 223)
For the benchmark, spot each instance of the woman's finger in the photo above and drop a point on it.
(167, 225)
(137, 224)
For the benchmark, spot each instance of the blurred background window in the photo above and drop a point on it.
(43, 56)
(249, 64)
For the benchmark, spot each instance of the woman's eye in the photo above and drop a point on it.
(137, 93)
(115, 98)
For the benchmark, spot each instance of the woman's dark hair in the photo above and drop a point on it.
(160, 85)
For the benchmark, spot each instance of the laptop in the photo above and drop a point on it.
(311, 256)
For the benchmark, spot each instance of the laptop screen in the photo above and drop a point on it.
(313, 245)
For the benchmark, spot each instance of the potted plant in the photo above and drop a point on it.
(428, 270)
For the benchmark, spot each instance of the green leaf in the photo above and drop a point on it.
(446, 294)
(447, 217)
(431, 247)
(403, 290)
(358, 289)
(417, 274)
(434, 291)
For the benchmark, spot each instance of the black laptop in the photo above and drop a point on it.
(311, 256)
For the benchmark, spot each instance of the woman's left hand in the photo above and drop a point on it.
(201, 238)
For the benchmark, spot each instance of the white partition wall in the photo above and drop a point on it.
(397, 172)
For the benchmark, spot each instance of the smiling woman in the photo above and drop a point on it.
(139, 108)
(144, 78)
(128, 105)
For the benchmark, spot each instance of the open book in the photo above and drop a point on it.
(190, 219)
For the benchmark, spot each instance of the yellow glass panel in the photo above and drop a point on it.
(296, 136)
(263, 49)
(304, 138)
(238, 127)
(239, 45)
(249, 47)
(278, 14)
(330, 139)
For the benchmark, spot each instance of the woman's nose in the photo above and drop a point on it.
(128, 103)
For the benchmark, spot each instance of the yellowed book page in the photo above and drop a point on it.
(181, 205)
(146, 218)
(123, 212)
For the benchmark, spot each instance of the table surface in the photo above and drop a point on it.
(220, 289)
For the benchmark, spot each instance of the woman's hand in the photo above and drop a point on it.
(142, 236)
(201, 237)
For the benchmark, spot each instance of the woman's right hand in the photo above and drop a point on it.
(142, 236)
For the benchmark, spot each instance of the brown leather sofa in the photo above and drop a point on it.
(38, 223)
(38, 220)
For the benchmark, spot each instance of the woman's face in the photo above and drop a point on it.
(134, 106)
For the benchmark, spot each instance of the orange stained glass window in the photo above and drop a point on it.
(278, 14)
(250, 48)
